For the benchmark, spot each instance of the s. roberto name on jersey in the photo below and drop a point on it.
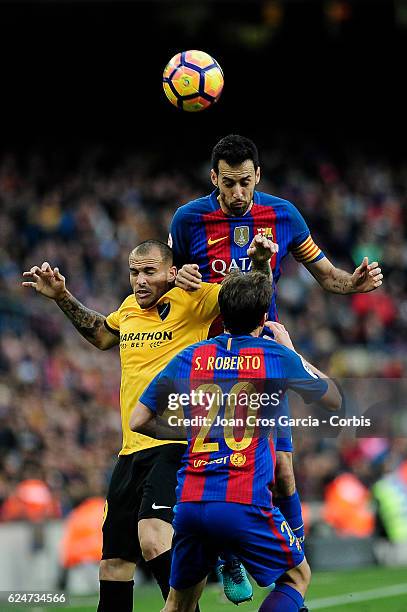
(152, 339)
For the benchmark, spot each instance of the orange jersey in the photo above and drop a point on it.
(150, 338)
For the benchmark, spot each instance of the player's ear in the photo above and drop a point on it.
(172, 273)
(214, 177)
(258, 175)
(262, 322)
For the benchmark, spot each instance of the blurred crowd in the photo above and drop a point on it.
(59, 397)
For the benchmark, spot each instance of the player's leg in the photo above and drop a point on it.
(156, 512)
(289, 592)
(155, 537)
(193, 556)
(185, 600)
(116, 585)
(272, 554)
(120, 542)
(285, 495)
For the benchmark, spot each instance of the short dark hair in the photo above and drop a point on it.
(243, 300)
(147, 245)
(234, 149)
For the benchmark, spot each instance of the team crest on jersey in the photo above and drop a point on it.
(238, 459)
(241, 235)
(266, 231)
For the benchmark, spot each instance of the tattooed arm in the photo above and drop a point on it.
(366, 277)
(90, 324)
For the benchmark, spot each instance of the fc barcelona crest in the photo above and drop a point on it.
(266, 231)
(241, 235)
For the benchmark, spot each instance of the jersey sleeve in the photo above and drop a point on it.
(149, 395)
(155, 395)
(112, 322)
(178, 239)
(205, 305)
(302, 245)
(302, 380)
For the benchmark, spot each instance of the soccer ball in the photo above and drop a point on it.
(192, 80)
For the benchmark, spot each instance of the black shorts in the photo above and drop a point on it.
(142, 486)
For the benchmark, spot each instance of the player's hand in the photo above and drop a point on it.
(281, 335)
(261, 249)
(367, 277)
(45, 280)
(189, 278)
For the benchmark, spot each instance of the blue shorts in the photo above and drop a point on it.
(259, 537)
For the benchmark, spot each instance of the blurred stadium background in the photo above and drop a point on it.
(94, 159)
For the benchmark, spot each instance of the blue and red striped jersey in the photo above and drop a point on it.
(230, 457)
(202, 233)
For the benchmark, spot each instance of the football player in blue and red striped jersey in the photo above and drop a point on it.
(213, 232)
(224, 499)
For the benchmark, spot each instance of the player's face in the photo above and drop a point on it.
(150, 277)
(236, 186)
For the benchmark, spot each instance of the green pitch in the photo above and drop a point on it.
(367, 590)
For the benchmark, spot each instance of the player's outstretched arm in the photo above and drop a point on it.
(260, 251)
(90, 324)
(366, 277)
(332, 400)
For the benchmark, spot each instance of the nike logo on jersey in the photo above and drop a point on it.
(154, 507)
(211, 242)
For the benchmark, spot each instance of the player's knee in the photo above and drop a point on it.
(150, 548)
(155, 538)
(284, 475)
(116, 570)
